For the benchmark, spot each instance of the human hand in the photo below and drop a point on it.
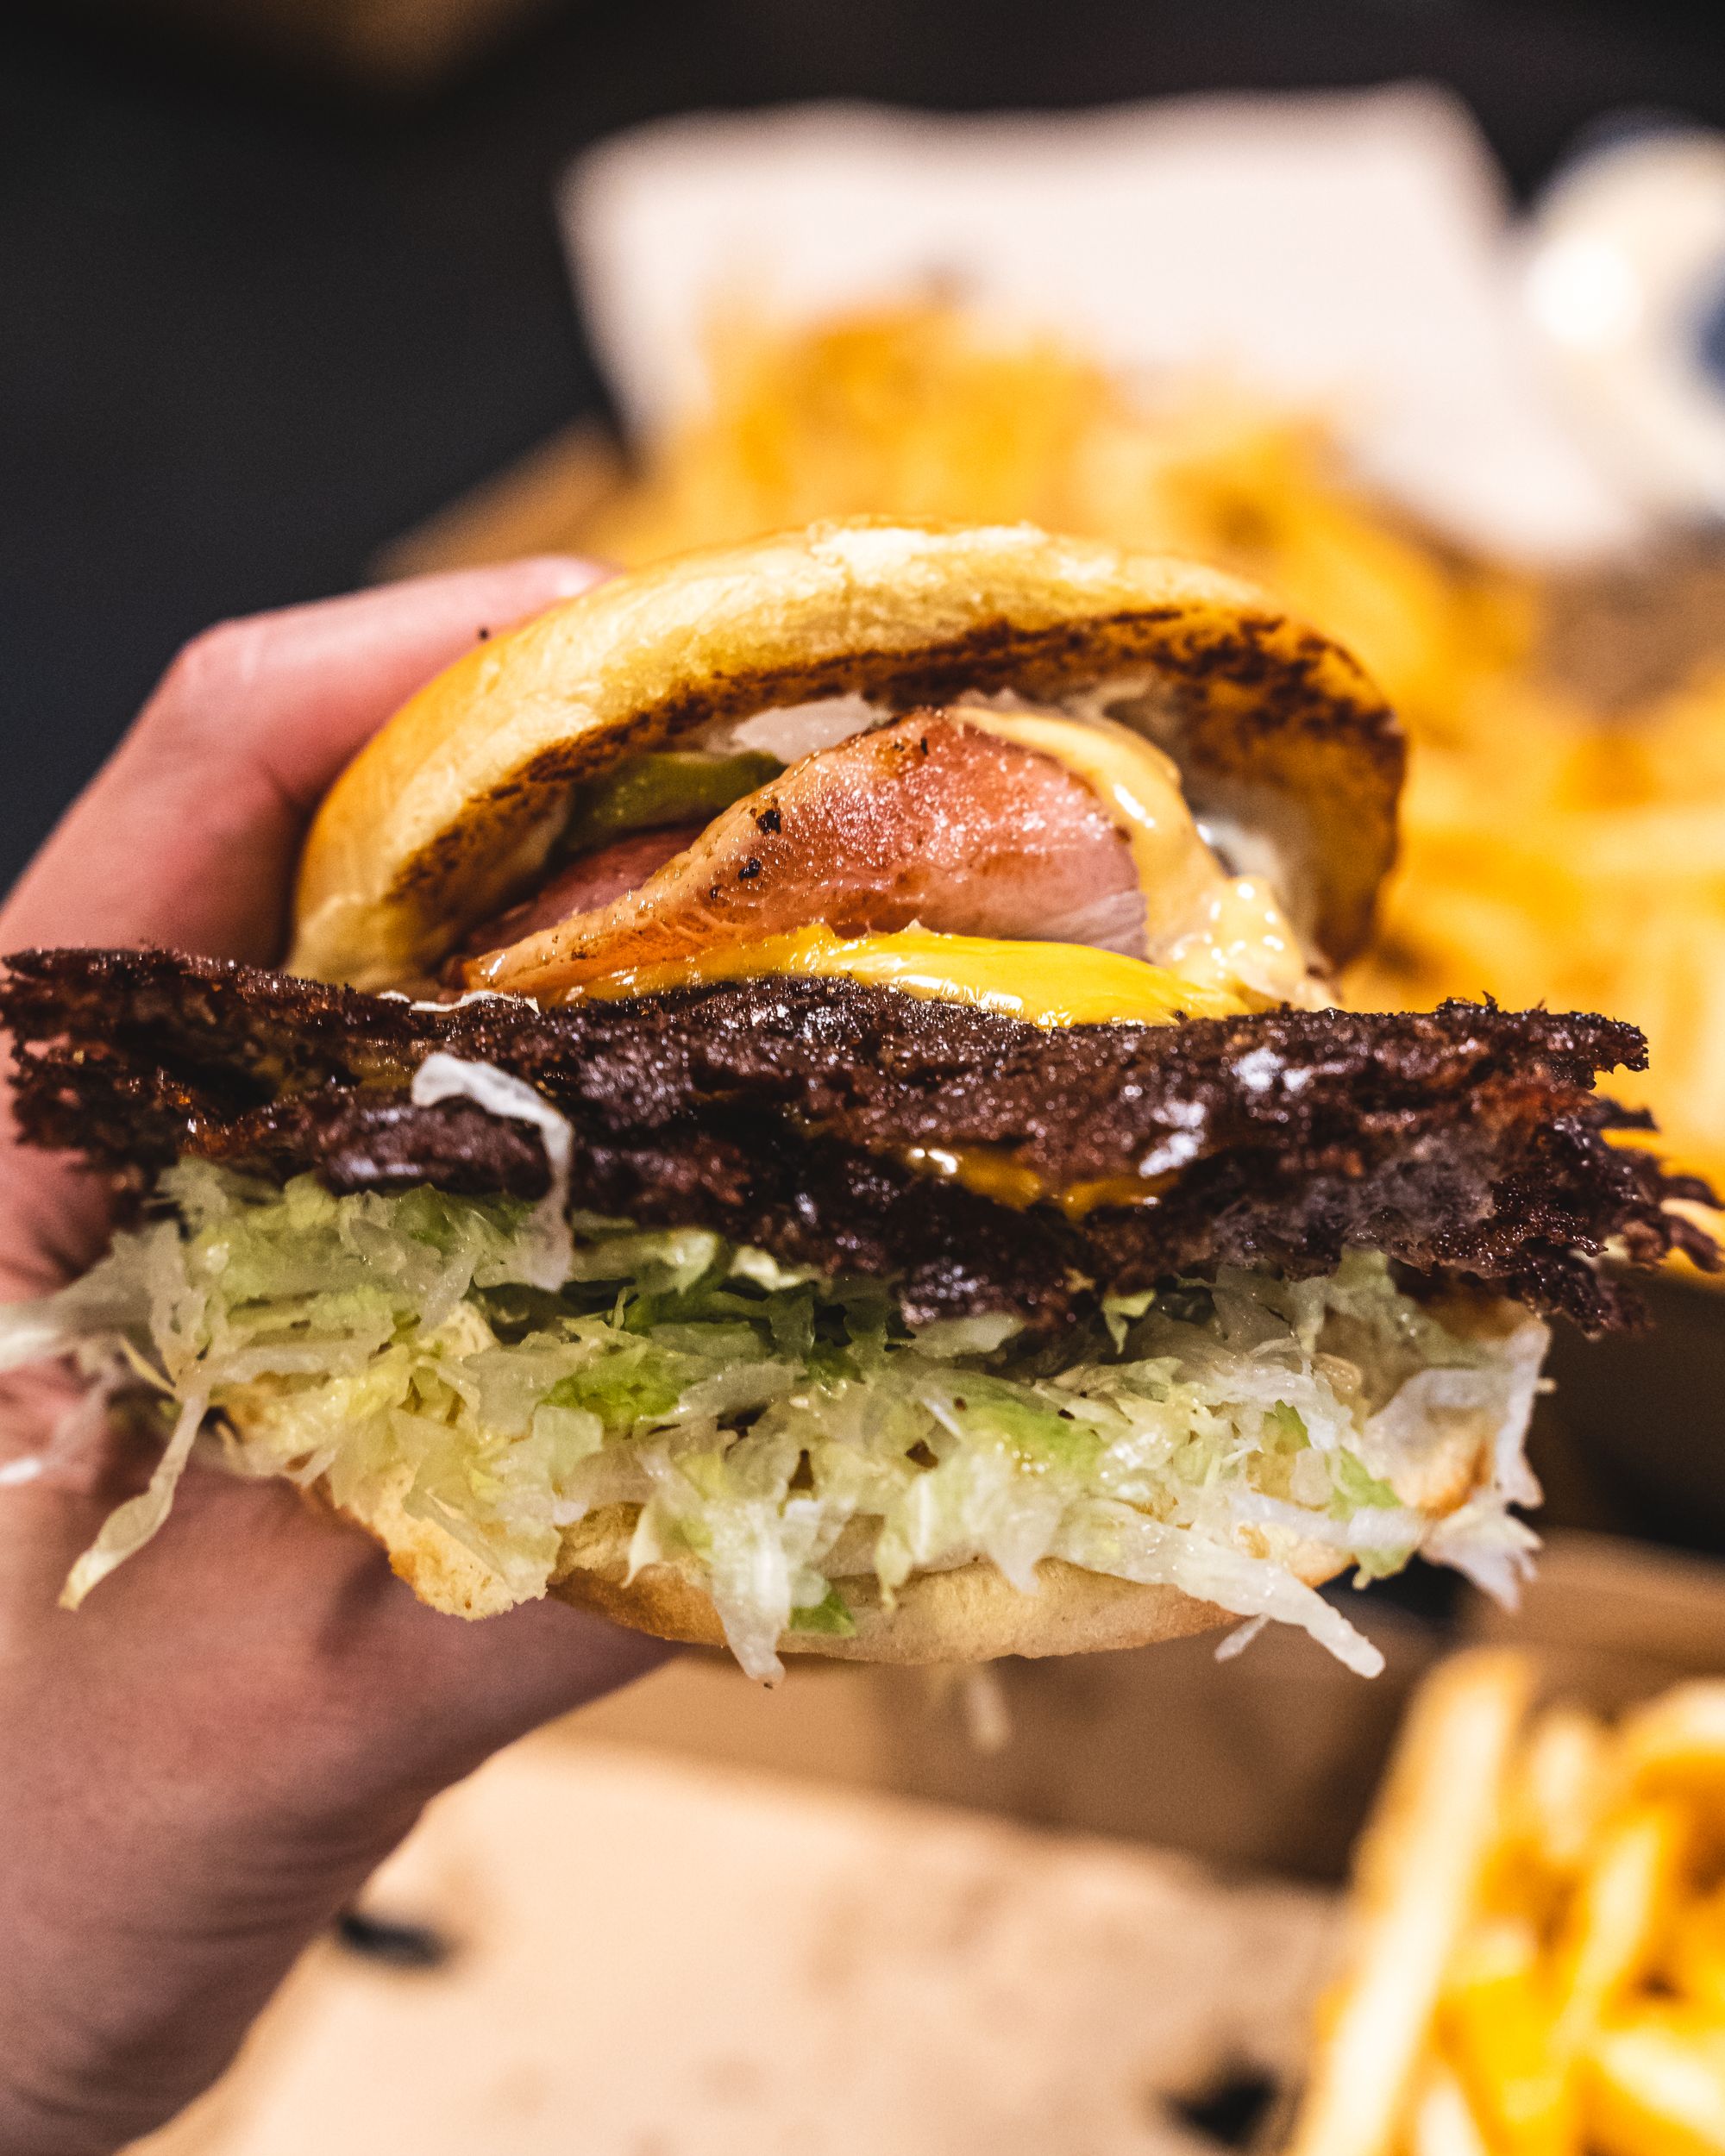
(200, 1766)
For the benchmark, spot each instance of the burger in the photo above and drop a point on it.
(807, 1108)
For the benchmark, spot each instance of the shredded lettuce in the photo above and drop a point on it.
(784, 1435)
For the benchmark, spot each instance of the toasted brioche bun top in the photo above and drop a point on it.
(452, 809)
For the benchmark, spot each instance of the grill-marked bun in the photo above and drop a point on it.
(449, 813)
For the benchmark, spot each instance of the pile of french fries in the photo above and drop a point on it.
(1536, 1966)
(1553, 856)
(919, 410)
(1554, 850)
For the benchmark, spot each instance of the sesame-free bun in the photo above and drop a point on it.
(451, 810)
(971, 1614)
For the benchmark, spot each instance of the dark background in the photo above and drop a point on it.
(250, 330)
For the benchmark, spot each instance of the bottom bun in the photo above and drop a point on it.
(971, 1614)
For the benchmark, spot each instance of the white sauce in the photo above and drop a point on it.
(445, 1077)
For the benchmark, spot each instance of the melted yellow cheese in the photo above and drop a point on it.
(989, 1172)
(1043, 984)
(996, 1175)
(1200, 922)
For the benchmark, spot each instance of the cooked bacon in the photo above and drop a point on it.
(594, 880)
(927, 820)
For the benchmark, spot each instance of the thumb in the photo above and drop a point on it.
(187, 836)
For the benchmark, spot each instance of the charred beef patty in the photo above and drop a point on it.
(1466, 1142)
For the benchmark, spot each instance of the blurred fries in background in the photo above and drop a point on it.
(1418, 1871)
(917, 411)
(1555, 854)
(1537, 1960)
(1561, 845)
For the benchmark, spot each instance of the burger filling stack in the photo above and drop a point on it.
(807, 1108)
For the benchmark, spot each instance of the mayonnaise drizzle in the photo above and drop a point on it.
(1210, 928)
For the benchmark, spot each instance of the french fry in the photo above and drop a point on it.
(1515, 2020)
(1655, 2086)
(1676, 1746)
(1417, 1879)
(1544, 1975)
(1695, 1964)
(1496, 2024)
(1617, 1922)
(1559, 1788)
(1441, 2122)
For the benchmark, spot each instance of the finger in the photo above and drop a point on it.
(316, 1660)
(308, 685)
(187, 836)
(457, 1692)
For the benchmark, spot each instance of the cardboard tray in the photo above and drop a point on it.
(1089, 1904)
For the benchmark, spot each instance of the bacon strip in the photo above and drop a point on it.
(593, 879)
(926, 821)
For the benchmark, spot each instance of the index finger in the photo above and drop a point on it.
(187, 836)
